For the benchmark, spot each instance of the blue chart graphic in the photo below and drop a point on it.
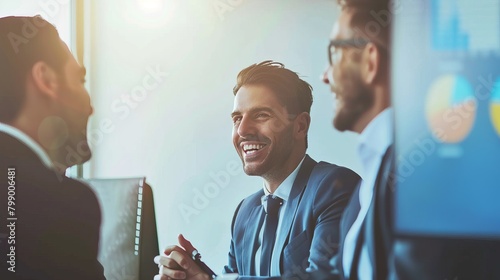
(495, 107)
(447, 34)
(451, 108)
(465, 25)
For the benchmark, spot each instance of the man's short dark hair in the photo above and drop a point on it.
(25, 41)
(371, 19)
(293, 92)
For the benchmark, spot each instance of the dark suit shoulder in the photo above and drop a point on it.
(332, 184)
(341, 178)
(57, 215)
(85, 197)
(62, 191)
(80, 189)
(330, 168)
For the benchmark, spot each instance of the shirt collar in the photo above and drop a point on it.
(30, 143)
(284, 189)
(378, 134)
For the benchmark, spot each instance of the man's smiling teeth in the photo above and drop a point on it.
(251, 148)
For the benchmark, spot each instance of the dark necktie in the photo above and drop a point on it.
(270, 224)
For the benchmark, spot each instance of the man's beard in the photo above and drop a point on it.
(76, 149)
(357, 99)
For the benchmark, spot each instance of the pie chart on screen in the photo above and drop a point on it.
(451, 108)
(495, 106)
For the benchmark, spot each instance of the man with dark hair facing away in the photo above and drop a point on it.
(53, 221)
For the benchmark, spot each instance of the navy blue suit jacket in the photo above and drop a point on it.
(410, 257)
(57, 229)
(310, 229)
(377, 228)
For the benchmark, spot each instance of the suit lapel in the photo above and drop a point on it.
(250, 239)
(368, 229)
(376, 218)
(348, 218)
(383, 238)
(12, 147)
(17, 152)
(293, 203)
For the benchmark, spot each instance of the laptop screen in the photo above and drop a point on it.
(446, 95)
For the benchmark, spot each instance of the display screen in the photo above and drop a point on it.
(446, 95)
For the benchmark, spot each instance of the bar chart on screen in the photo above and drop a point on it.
(447, 118)
(478, 32)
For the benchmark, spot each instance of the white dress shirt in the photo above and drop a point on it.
(26, 140)
(373, 143)
(283, 192)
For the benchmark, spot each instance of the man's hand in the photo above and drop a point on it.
(177, 263)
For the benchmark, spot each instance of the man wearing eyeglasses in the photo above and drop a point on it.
(358, 75)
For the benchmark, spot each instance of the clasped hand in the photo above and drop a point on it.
(177, 263)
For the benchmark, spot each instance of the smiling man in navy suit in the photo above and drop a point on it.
(291, 225)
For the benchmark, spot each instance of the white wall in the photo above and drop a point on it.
(179, 132)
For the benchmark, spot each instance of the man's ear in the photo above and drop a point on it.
(370, 63)
(302, 121)
(45, 79)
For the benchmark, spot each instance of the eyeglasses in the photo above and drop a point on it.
(334, 45)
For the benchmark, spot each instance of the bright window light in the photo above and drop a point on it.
(150, 6)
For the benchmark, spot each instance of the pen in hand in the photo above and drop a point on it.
(196, 256)
(202, 265)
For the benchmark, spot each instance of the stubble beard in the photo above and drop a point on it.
(357, 99)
